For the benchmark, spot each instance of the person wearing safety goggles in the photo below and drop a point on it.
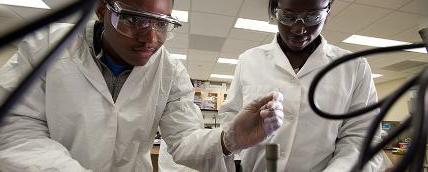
(99, 105)
(289, 64)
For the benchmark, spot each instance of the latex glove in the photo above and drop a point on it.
(254, 122)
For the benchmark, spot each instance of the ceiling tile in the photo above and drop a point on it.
(230, 55)
(410, 35)
(416, 6)
(224, 69)
(334, 37)
(423, 22)
(390, 25)
(208, 43)
(30, 13)
(8, 24)
(382, 60)
(352, 47)
(198, 73)
(208, 66)
(5, 11)
(200, 70)
(183, 29)
(217, 6)
(268, 39)
(210, 24)
(352, 19)
(249, 35)
(392, 4)
(417, 57)
(197, 56)
(255, 9)
(337, 7)
(178, 41)
(378, 63)
(388, 76)
(238, 46)
(183, 5)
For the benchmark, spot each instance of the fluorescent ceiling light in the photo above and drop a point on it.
(183, 16)
(221, 76)
(227, 61)
(26, 3)
(372, 41)
(256, 25)
(418, 50)
(378, 42)
(376, 75)
(179, 56)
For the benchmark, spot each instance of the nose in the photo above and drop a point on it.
(298, 28)
(149, 35)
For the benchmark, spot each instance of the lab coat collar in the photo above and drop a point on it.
(319, 58)
(84, 55)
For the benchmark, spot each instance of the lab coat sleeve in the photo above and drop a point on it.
(353, 131)
(24, 134)
(233, 103)
(182, 129)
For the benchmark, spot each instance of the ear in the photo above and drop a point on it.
(101, 10)
(329, 11)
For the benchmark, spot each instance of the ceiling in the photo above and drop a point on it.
(210, 34)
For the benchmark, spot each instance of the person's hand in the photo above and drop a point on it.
(254, 122)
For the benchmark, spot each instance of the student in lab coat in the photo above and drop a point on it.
(289, 64)
(99, 105)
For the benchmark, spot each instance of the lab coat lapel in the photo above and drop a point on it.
(319, 58)
(141, 77)
(91, 71)
(280, 59)
(83, 56)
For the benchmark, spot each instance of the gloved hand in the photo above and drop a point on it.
(254, 122)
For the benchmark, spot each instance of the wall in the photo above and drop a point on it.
(399, 111)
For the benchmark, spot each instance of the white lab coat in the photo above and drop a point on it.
(68, 120)
(307, 141)
(167, 164)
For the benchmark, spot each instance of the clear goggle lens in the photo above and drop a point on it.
(132, 23)
(308, 19)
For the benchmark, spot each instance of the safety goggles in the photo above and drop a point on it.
(310, 18)
(130, 23)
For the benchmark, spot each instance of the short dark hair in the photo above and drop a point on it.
(273, 4)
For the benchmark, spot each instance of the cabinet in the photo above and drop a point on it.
(209, 98)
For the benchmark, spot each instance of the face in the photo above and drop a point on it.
(298, 36)
(134, 51)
